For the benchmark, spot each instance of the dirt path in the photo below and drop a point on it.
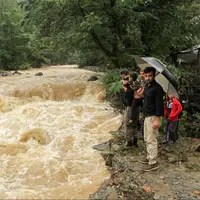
(177, 178)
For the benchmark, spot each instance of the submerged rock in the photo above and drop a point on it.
(39, 74)
(37, 134)
(93, 78)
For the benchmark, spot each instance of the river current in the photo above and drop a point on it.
(48, 125)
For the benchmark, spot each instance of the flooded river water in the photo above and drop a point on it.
(48, 125)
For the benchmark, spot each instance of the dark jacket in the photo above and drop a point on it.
(128, 97)
(137, 102)
(153, 100)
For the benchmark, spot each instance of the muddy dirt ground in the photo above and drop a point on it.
(178, 177)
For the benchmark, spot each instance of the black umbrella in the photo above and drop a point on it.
(163, 76)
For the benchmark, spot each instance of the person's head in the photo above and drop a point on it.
(142, 76)
(133, 76)
(149, 73)
(170, 97)
(123, 74)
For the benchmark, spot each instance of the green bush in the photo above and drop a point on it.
(182, 130)
(24, 66)
(112, 82)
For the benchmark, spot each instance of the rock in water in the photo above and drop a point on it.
(39, 74)
(2, 73)
(93, 78)
(16, 72)
(103, 146)
(37, 134)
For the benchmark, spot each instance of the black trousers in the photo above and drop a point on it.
(171, 130)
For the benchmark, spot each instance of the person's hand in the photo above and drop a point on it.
(125, 88)
(156, 123)
(169, 118)
(140, 92)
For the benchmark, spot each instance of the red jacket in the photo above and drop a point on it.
(175, 111)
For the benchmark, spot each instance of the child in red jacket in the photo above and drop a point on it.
(172, 109)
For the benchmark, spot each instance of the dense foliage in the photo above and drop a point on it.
(93, 32)
(112, 82)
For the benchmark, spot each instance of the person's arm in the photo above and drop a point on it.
(159, 107)
(159, 102)
(178, 110)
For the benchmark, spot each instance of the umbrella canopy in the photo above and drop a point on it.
(163, 76)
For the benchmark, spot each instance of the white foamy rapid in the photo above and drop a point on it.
(48, 125)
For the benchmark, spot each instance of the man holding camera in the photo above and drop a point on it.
(133, 104)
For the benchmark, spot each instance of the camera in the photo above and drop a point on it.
(135, 85)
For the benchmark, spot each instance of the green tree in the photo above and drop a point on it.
(115, 29)
(89, 25)
(13, 39)
(170, 27)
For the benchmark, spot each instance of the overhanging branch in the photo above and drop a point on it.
(98, 42)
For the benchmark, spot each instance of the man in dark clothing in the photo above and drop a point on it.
(153, 109)
(130, 132)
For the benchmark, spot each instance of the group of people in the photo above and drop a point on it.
(144, 98)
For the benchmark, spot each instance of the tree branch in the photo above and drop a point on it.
(96, 38)
(98, 43)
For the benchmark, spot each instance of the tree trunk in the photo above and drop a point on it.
(112, 55)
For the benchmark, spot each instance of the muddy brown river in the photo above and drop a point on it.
(48, 125)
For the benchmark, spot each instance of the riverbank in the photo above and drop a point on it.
(177, 178)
